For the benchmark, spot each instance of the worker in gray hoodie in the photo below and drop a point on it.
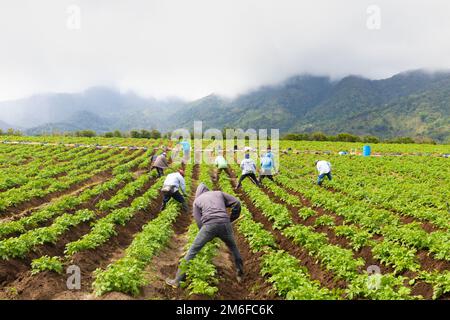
(210, 214)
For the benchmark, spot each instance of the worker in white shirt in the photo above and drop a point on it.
(173, 183)
(324, 169)
(248, 167)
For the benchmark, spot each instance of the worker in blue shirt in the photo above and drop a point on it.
(186, 147)
(267, 165)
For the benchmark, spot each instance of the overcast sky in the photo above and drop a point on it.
(191, 48)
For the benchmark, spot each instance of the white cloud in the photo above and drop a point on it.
(192, 48)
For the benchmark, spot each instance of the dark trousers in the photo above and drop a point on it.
(262, 176)
(159, 170)
(208, 232)
(250, 175)
(322, 176)
(175, 195)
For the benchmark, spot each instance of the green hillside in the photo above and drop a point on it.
(415, 104)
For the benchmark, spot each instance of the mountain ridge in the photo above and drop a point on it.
(413, 103)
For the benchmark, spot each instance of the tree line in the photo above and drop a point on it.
(140, 134)
(348, 137)
(155, 134)
(144, 134)
(10, 132)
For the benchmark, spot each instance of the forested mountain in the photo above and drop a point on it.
(414, 103)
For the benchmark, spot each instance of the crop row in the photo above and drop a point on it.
(389, 251)
(79, 170)
(201, 273)
(15, 176)
(66, 202)
(20, 246)
(103, 229)
(377, 221)
(336, 259)
(289, 279)
(127, 274)
(63, 204)
(388, 183)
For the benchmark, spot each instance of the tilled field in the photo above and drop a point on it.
(99, 210)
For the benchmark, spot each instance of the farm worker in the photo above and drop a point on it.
(248, 168)
(173, 183)
(160, 164)
(324, 168)
(221, 164)
(186, 147)
(153, 158)
(210, 214)
(267, 165)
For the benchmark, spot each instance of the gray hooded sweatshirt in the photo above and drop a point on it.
(161, 162)
(211, 206)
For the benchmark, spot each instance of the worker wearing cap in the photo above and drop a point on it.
(160, 164)
(173, 183)
(324, 169)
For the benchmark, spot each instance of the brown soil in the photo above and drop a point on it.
(14, 271)
(430, 264)
(165, 265)
(253, 286)
(423, 289)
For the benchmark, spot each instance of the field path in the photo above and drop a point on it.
(165, 264)
(253, 285)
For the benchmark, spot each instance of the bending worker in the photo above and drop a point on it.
(248, 167)
(210, 214)
(173, 183)
(267, 166)
(324, 169)
(160, 164)
(221, 164)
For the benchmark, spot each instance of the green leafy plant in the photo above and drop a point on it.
(324, 220)
(46, 263)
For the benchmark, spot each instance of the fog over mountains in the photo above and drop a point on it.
(99, 108)
(415, 103)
